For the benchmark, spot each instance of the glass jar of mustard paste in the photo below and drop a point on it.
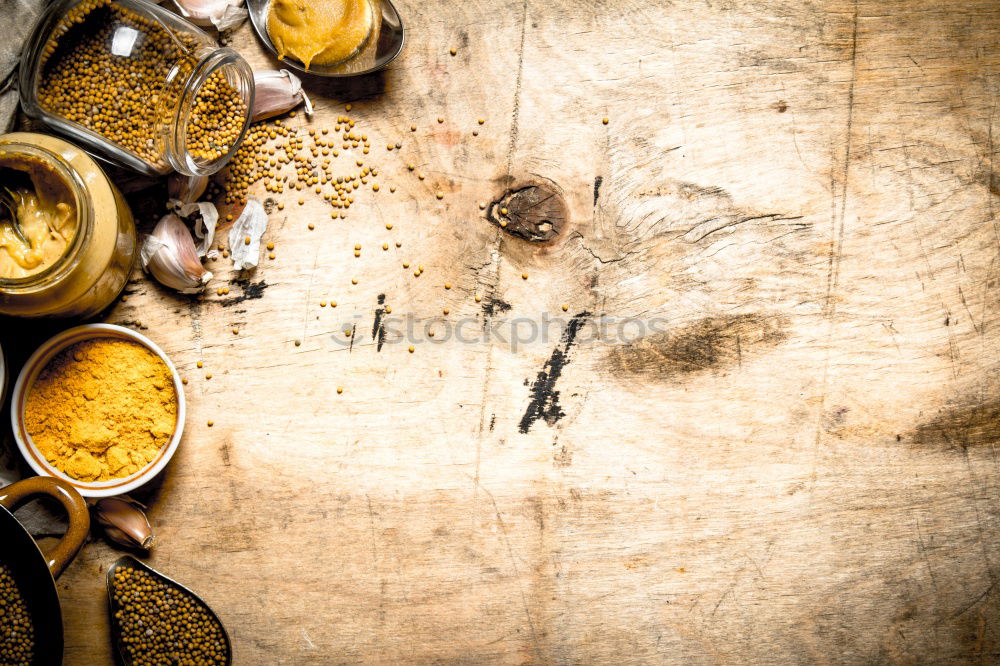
(138, 84)
(75, 243)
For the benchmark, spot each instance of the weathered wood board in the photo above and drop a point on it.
(797, 464)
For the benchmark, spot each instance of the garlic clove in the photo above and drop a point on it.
(124, 522)
(170, 256)
(223, 14)
(277, 92)
(250, 225)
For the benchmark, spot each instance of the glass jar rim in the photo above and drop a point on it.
(84, 216)
(215, 60)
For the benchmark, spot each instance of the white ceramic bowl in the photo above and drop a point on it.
(30, 371)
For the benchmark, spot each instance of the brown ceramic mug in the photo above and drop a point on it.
(34, 570)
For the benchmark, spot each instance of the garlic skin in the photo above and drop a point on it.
(186, 189)
(223, 14)
(204, 227)
(124, 522)
(277, 91)
(169, 255)
(252, 223)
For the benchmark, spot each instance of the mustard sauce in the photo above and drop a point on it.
(319, 32)
(42, 206)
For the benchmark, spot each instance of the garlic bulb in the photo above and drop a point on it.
(169, 255)
(223, 14)
(124, 522)
(277, 91)
(244, 235)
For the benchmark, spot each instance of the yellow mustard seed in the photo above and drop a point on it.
(357, 253)
(354, 280)
(270, 246)
(440, 119)
(236, 331)
(410, 349)
(524, 276)
(211, 423)
(385, 246)
(375, 187)
(481, 121)
(270, 255)
(413, 128)
(311, 226)
(388, 310)
(200, 364)
(340, 389)
(246, 241)
(388, 225)
(446, 311)
(605, 120)
(447, 285)
(298, 343)
(208, 375)
(503, 211)
(440, 195)
(347, 107)
(565, 308)
(478, 298)
(452, 50)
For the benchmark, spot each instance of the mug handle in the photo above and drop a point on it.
(59, 556)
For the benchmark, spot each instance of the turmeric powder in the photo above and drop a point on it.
(102, 409)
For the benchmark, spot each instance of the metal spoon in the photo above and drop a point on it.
(386, 42)
(131, 562)
(7, 202)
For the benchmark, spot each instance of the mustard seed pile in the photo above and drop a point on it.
(287, 159)
(159, 624)
(128, 99)
(17, 636)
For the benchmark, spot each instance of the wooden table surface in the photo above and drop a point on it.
(793, 203)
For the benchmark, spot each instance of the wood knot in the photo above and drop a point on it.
(533, 212)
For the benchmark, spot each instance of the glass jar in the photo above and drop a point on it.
(96, 262)
(137, 83)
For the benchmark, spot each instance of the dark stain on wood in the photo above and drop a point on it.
(962, 426)
(492, 305)
(597, 189)
(544, 402)
(536, 213)
(378, 331)
(251, 291)
(708, 343)
(781, 106)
